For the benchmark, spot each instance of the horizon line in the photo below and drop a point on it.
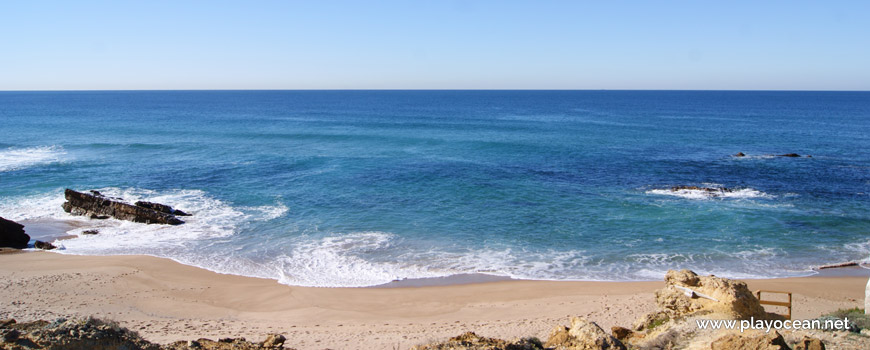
(400, 89)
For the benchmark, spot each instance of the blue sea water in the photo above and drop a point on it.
(359, 188)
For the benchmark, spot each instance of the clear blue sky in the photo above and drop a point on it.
(792, 45)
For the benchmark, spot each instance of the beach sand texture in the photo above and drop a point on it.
(166, 301)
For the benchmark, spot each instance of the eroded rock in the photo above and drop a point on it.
(96, 205)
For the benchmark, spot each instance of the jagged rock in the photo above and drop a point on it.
(740, 154)
(163, 208)
(810, 343)
(790, 155)
(764, 341)
(43, 245)
(12, 234)
(582, 335)
(621, 333)
(274, 341)
(91, 205)
(91, 232)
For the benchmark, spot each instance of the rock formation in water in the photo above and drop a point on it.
(12, 234)
(98, 206)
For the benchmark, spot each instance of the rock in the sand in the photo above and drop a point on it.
(12, 234)
(763, 341)
(733, 299)
(43, 245)
(163, 208)
(809, 343)
(93, 205)
(582, 335)
(274, 341)
(94, 334)
(471, 341)
(621, 333)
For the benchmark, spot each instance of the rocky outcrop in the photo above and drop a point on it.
(763, 341)
(96, 205)
(12, 234)
(471, 341)
(687, 294)
(94, 334)
(582, 335)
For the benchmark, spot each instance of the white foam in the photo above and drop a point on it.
(698, 194)
(19, 158)
(336, 261)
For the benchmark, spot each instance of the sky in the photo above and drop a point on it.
(448, 44)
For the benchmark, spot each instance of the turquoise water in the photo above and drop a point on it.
(358, 188)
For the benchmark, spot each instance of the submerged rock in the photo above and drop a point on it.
(740, 154)
(790, 155)
(705, 189)
(12, 234)
(96, 205)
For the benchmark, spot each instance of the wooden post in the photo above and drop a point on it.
(776, 303)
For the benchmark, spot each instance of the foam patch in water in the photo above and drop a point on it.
(12, 159)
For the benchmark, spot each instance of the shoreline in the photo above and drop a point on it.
(168, 301)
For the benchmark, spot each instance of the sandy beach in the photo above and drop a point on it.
(167, 301)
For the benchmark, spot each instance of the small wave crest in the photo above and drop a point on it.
(12, 159)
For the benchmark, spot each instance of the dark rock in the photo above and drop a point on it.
(706, 189)
(163, 208)
(7, 322)
(99, 217)
(790, 155)
(620, 333)
(810, 343)
(740, 154)
(12, 234)
(89, 205)
(43, 245)
(90, 232)
(9, 335)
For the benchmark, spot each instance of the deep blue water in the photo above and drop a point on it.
(352, 188)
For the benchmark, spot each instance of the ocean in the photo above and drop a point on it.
(361, 188)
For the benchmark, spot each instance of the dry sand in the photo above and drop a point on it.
(166, 301)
